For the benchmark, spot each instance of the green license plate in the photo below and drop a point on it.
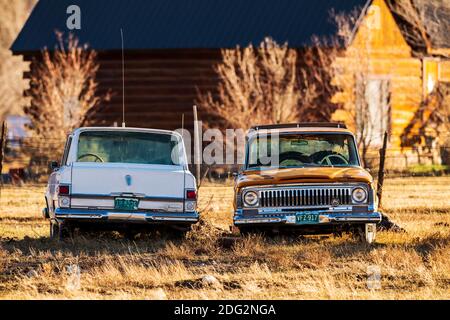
(126, 204)
(307, 218)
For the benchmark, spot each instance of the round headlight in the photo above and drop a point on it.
(359, 195)
(251, 198)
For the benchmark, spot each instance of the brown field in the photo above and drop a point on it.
(413, 265)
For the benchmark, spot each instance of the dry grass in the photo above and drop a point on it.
(414, 265)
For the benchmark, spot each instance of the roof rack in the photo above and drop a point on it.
(301, 125)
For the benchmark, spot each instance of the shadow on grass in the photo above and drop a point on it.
(89, 244)
(427, 245)
(222, 249)
(20, 219)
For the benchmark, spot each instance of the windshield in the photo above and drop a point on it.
(302, 150)
(128, 147)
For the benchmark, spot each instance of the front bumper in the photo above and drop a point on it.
(289, 218)
(126, 217)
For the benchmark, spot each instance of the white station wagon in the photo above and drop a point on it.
(121, 178)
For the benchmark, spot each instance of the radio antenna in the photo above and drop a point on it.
(123, 80)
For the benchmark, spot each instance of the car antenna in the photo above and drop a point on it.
(123, 80)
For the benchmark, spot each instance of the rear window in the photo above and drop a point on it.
(128, 147)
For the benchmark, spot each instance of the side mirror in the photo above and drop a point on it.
(53, 165)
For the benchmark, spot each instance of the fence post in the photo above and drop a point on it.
(197, 146)
(381, 169)
(2, 150)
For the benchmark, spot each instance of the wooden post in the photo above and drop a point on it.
(381, 169)
(2, 151)
(197, 146)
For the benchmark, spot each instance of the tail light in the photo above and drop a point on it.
(63, 190)
(191, 195)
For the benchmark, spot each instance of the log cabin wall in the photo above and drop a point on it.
(444, 71)
(160, 86)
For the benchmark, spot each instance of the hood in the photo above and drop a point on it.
(303, 175)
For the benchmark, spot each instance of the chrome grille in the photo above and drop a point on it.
(305, 197)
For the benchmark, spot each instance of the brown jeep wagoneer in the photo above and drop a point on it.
(306, 177)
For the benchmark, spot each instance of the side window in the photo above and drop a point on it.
(66, 151)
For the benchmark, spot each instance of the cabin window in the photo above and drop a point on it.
(373, 110)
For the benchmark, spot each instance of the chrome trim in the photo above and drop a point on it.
(174, 219)
(126, 195)
(294, 209)
(257, 220)
(352, 184)
(304, 196)
(324, 218)
(126, 216)
(108, 204)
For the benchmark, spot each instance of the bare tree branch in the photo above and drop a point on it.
(63, 89)
(258, 85)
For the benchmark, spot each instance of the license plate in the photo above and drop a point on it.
(126, 204)
(307, 218)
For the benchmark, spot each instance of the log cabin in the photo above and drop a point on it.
(395, 61)
(171, 48)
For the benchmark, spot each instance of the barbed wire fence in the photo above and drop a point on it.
(27, 160)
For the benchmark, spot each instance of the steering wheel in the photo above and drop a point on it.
(97, 157)
(294, 156)
(328, 160)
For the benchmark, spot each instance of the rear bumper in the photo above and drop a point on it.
(289, 219)
(126, 217)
